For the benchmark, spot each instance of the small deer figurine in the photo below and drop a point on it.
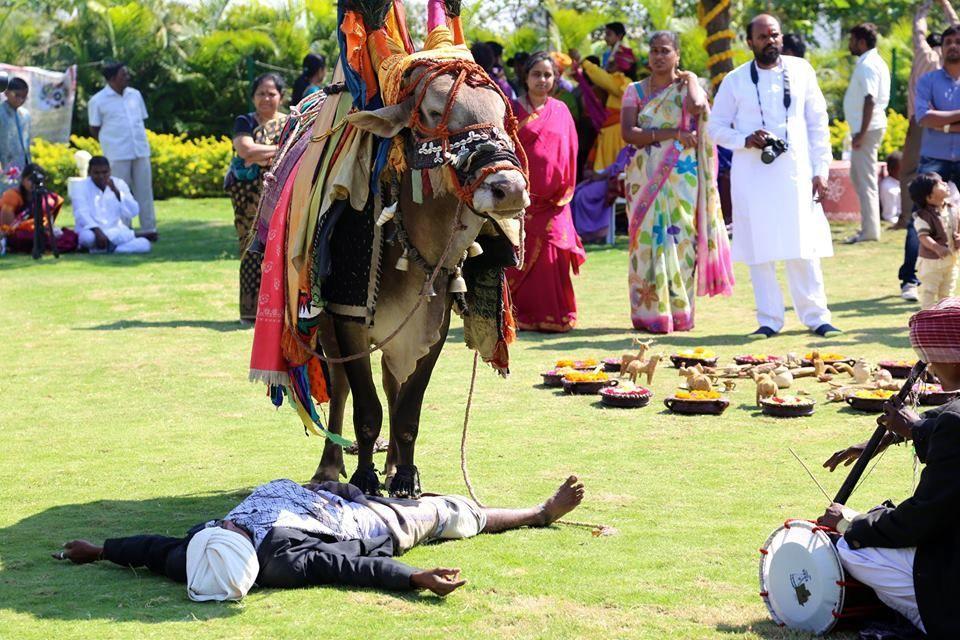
(643, 346)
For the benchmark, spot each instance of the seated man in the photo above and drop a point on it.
(910, 555)
(103, 208)
(287, 535)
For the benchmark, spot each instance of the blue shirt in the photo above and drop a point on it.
(937, 91)
(284, 503)
(14, 140)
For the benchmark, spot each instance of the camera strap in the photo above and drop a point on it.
(787, 98)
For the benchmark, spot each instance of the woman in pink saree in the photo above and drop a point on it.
(542, 289)
(678, 241)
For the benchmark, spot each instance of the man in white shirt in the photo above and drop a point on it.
(116, 115)
(103, 208)
(776, 186)
(865, 110)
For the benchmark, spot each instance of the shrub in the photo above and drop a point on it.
(182, 167)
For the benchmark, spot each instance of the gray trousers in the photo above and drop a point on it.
(137, 174)
(863, 174)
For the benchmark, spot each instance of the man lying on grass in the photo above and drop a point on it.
(287, 535)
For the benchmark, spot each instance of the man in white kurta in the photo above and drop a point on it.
(775, 214)
(103, 208)
(116, 114)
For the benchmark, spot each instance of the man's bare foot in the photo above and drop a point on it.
(567, 498)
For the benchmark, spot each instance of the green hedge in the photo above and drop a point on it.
(182, 167)
(893, 139)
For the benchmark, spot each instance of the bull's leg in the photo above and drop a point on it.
(367, 411)
(405, 420)
(331, 463)
(391, 388)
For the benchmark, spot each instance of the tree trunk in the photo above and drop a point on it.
(715, 17)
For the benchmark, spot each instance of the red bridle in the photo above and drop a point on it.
(471, 74)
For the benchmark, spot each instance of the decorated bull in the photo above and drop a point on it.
(391, 204)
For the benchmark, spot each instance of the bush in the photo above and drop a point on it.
(893, 138)
(182, 167)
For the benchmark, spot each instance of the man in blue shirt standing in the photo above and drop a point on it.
(14, 132)
(938, 112)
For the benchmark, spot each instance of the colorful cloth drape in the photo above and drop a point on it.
(678, 242)
(542, 290)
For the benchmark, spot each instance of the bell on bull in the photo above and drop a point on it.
(430, 98)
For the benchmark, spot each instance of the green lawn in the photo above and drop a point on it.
(126, 408)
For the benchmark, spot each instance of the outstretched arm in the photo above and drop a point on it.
(161, 554)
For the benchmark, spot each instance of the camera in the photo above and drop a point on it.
(39, 180)
(773, 148)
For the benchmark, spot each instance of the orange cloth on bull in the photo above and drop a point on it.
(438, 46)
(355, 36)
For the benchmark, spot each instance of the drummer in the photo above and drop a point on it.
(910, 555)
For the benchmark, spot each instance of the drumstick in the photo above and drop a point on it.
(819, 486)
(898, 400)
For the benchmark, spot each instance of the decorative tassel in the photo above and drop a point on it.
(403, 263)
(387, 214)
(474, 250)
(457, 283)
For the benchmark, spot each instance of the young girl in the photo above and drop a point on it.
(936, 224)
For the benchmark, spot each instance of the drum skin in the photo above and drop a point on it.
(801, 578)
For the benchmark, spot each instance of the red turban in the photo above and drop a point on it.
(935, 332)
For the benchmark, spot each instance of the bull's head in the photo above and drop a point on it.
(471, 130)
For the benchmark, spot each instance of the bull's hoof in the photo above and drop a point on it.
(405, 482)
(367, 480)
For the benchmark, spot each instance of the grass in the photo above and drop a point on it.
(126, 409)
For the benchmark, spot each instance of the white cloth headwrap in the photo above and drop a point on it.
(221, 565)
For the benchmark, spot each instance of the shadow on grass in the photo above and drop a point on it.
(213, 325)
(184, 241)
(33, 583)
(768, 629)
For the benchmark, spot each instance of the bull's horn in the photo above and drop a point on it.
(474, 250)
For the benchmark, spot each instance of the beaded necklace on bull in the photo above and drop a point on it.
(459, 150)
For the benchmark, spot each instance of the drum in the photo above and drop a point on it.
(803, 584)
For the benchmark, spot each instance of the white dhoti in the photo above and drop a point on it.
(889, 572)
(413, 522)
(123, 238)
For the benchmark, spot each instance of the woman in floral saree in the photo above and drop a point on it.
(542, 290)
(678, 242)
